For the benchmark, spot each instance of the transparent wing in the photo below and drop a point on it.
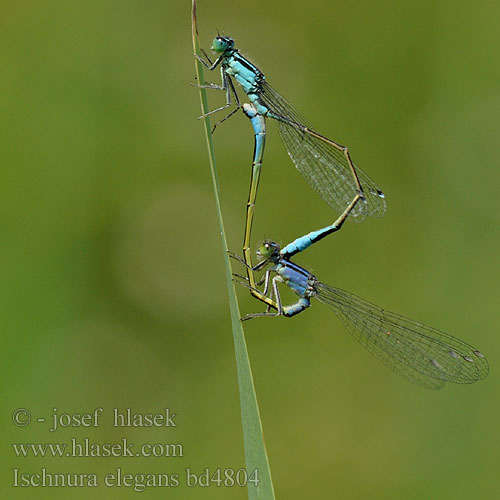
(417, 352)
(324, 166)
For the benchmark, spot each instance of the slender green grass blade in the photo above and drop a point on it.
(255, 450)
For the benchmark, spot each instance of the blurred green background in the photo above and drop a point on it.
(113, 291)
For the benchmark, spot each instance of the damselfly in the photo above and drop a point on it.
(326, 165)
(417, 352)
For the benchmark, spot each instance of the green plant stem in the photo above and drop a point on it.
(255, 450)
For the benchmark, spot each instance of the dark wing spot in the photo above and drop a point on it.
(436, 364)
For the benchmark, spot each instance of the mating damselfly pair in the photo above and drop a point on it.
(419, 353)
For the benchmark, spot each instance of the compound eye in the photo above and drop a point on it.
(219, 44)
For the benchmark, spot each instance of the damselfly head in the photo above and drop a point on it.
(222, 43)
(268, 250)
